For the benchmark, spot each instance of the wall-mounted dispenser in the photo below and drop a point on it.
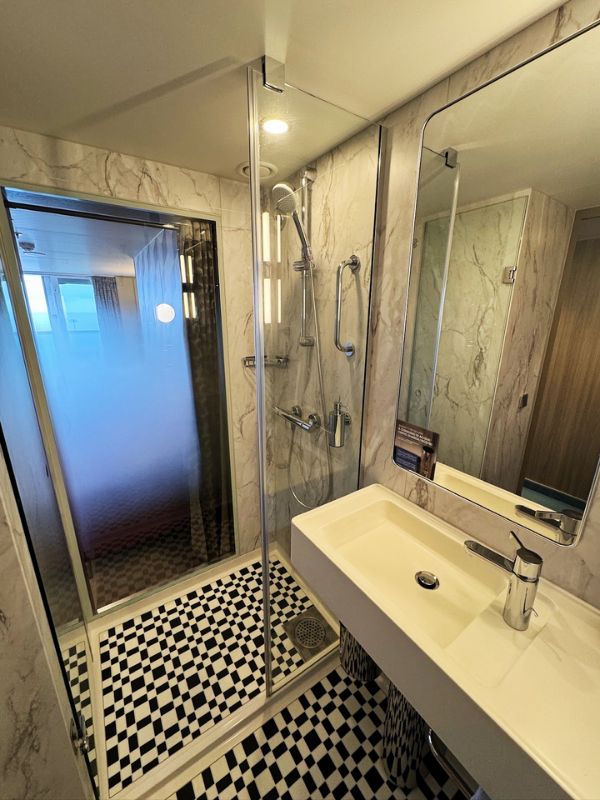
(338, 419)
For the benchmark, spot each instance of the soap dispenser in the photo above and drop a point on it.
(338, 419)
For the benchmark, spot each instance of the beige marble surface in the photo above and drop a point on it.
(540, 266)
(485, 240)
(40, 161)
(577, 569)
(36, 757)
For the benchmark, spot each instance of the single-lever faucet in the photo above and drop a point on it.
(524, 573)
(567, 521)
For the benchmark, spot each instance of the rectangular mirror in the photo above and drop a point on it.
(500, 391)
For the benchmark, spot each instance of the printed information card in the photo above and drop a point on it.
(416, 448)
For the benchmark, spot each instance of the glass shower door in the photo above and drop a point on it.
(124, 311)
(314, 210)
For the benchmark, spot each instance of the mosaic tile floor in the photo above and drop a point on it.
(75, 659)
(173, 672)
(325, 744)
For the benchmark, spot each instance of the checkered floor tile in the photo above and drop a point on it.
(325, 744)
(175, 671)
(75, 659)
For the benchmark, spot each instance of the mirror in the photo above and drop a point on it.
(500, 390)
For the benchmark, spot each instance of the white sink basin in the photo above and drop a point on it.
(467, 585)
(495, 696)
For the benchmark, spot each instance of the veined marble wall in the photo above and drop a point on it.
(433, 243)
(342, 220)
(576, 569)
(485, 240)
(36, 756)
(542, 257)
(41, 161)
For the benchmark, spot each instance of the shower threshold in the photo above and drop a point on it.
(178, 674)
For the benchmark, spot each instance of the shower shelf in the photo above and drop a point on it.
(270, 361)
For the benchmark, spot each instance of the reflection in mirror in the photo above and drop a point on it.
(499, 389)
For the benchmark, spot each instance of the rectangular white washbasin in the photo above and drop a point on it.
(519, 709)
(466, 585)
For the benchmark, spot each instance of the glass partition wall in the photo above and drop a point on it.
(315, 170)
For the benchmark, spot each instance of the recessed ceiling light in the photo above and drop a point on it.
(275, 126)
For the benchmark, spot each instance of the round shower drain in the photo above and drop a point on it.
(427, 579)
(310, 632)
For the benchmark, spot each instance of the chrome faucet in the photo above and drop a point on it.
(567, 521)
(524, 571)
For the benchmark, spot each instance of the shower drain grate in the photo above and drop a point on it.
(310, 633)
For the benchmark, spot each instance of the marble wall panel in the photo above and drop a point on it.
(342, 220)
(577, 569)
(37, 761)
(485, 240)
(542, 257)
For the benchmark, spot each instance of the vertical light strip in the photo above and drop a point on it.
(266, 235)
(279, 300)
(267, 301)
(186, 305)
(182, 267)
(190, 269)
(192, 306)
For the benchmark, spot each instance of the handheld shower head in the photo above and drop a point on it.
(285, 199)
(286, 203)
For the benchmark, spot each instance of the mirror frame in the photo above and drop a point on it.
(403, 353)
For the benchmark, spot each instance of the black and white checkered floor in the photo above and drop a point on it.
(175, 671)
(325, 744)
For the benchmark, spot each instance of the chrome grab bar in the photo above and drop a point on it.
(354, 264)
(294, 417)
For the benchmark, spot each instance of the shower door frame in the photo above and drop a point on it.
(13, 268)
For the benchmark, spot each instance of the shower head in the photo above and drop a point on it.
(286, 203)
(284, 198)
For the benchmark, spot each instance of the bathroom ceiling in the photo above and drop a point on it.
(166, 81)
(78, 246)
(537, 127)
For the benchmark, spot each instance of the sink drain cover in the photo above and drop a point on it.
(427, 580)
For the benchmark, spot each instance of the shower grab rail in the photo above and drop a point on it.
(353, 263)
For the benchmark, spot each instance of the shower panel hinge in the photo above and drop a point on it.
(451, 157)
(81, 741)
(273, 74)
(509, 274)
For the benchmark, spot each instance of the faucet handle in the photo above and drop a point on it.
(527, 563)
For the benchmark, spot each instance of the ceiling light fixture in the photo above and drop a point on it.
(275, 126)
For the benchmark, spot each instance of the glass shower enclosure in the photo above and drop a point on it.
(313, 191)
